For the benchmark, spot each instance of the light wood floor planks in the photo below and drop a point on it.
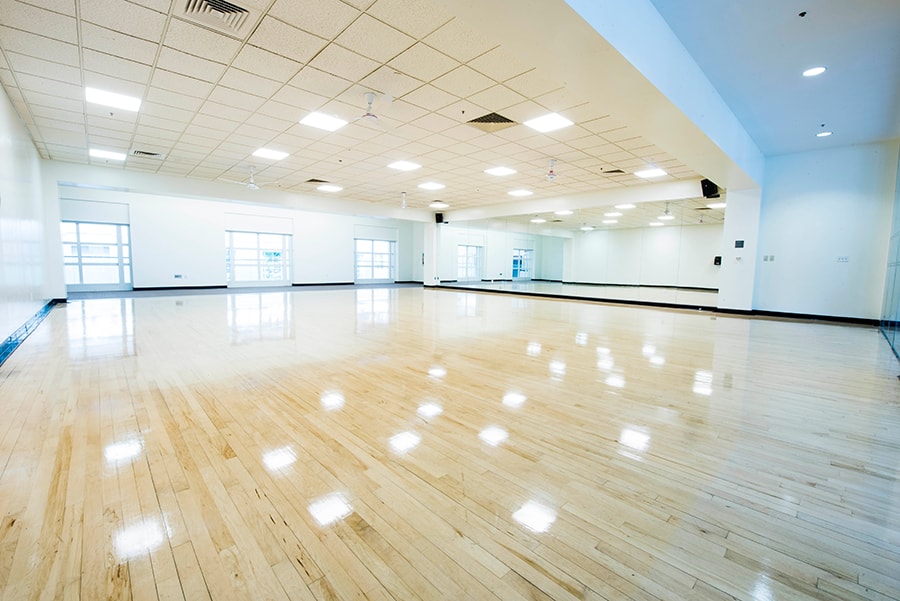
(403, 443)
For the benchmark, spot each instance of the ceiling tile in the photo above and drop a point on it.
(266, 64)
(115, 66)
(48, 86)
(343, 63)
(201, 42)
(424, 62)
(372, 38)
(149, 134)
(117, 44)
(36, 66)
(272, 123)
(126, 17)
(499, 65)
(280, 110)
(159, 123)
(302, 101)
(434, 122)
(390, 82)
(175, 82)
(190, 65)
(320, 82)
(326, 18)
(23, 42)
(231, 113)
(532, 84)
(172, 111)
(430, 98)
(52, 122)
(497, 98)
(237, 99)
(290, 42)
(416, 18)
(64, 138)
(459, 42)
(241, 80)
(36, 100)
(112, 84)
(45, 23)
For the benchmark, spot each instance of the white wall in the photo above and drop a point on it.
(184, 236)
(498, 244)
(816, 208)
(663, 256)
(21, 224)
(551, 258)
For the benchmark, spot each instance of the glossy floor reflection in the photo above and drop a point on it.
(407, 443)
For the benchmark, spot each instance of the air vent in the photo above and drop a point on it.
(220, 15)
(491, 122)
(316, 181)
(556, 221)
(147, 154)
(613, 171)
(702, 209)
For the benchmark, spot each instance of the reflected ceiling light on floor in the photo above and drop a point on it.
(650, 173)
(716, 205)
(535, 516)
(438, 204)
(138, 539)
(107, 154)
(557, 368)
(493, 435)
(331, 400)
(514, 399)
(431, 186)
(329, 188)
(657, 360)
(323, 121)
(615, 380)
(268, 153)
(520, 192)
(703, 382)
(548, 122)
(581, 338)
(279, 458)
(117, 101)
(625, 206)
(500, 171)
(538, 220)
(404, 165)
(122, 451)
(429, 410)
(634, 438)
(329, 509)
(437, 372)
(562, 212)
(405, 441)
(533, 349)
(812, 72)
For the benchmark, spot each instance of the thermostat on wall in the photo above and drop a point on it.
(739, 244)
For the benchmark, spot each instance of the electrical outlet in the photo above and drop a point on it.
(843, 259)
(178, 276)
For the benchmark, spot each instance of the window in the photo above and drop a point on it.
(376, 260)
(256, 259)
(96, 256)
(521, 267)
(468, 263)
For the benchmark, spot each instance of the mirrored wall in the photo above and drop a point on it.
(890, 310)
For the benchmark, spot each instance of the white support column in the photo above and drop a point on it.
(738, 276)
(431, 246)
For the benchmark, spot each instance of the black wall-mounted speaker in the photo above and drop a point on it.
(439, 218)
(710, 190)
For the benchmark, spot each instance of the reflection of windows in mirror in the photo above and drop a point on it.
(253, 258)
(376, 261)
(100, 328)
(468, 263)
(521, 263)
(373, 306)
(96, 256)
(264, 316)
(467, 305)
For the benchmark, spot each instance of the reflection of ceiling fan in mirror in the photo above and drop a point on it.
(250, 183)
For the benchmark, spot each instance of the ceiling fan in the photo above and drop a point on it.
(369, 116)
(251, 182)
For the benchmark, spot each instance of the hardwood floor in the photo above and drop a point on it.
(433, 444)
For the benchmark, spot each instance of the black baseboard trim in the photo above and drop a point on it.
(548, 281)
(410, 282)
(694, 288)
(495, 280)
(14, 340)
(323, 284)
(150, 288)
(857, 321)
(450, 281)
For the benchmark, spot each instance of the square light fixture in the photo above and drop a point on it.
(716, 205)
(538, 220)
(118, 101)
(107, 154)
(649, 173)
(404, 165)
(323, 121)
(548, 122)
(562, 212)
(625, 206)
(268, 153)
(329, 188)
(432, 186)
(500, 171)
(520, 193)
(438, 204)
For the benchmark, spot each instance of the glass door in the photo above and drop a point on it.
(521, 266)
(468, 263)
(257, 259)
(376, 261)
(96, 256)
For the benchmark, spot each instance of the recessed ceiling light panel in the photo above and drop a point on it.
(716, 205)
(323, 121)
(438, 204)
(649, 173)
(610, 221)
(404, 166)
(587, 228)
(814, 71)
(613, 214)
(329, 188)
(500, 171)
(118, 101)
(548, 122)
(538, 220)
(824, 134)
(625, 206)
(268, 153)
(656, 224)
(432, 186)
(520, 192)
(107, 154)
(562, 212)
(666, 217)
